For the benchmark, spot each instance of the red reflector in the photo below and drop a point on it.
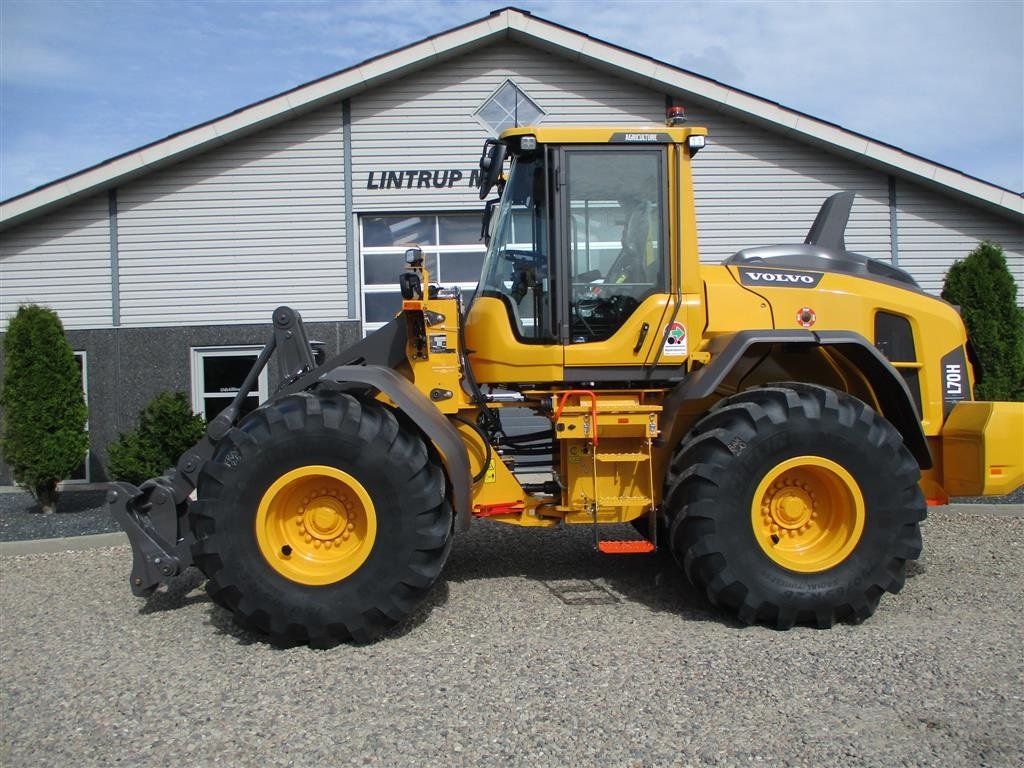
(638, 547)
(624, 420)
(412, 305)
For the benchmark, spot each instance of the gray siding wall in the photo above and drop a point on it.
(61, 261)
(935, 231)
(227, 236)
(754, 187)
(425, 122)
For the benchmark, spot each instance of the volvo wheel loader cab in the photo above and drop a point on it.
(776, 421)
(586, 256)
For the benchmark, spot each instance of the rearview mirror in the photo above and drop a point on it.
(491, 161)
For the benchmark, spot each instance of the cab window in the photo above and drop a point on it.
(616, 232)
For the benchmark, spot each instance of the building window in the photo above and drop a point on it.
(217, 375)
(508, 107)
(81, 473)
(453, 254)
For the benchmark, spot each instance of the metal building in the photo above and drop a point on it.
(165, 263)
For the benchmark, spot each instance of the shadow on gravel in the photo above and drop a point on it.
(187, 589)
(916, 568)
(437, 597)
(180, 592)
(223, 622)
(564, 561)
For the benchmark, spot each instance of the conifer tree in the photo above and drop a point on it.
(44, 436)
(982, 286)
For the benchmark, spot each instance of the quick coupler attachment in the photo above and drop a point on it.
(153, 523)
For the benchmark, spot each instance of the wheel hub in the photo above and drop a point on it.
(789, 506)
(316, 525)
(326, 518)
(808, 514)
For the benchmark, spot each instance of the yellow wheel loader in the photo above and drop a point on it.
(778, 422)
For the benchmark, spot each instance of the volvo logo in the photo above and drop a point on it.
(779, 279)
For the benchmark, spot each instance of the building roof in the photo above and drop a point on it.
(519, 26)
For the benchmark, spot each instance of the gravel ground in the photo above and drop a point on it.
(534, 651)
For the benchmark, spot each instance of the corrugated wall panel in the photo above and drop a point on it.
(756, 188)
(61, 261)
(425, 122)
(935, 231)
(228, 236)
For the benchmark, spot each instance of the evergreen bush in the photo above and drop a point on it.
(167, 427)
(985, 290)
(44, 436)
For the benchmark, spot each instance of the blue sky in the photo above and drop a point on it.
(83, 81)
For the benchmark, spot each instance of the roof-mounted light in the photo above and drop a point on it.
(528, 143)
(695, 144)
(675, 116)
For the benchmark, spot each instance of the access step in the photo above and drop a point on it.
(624, 457)
(630, 547)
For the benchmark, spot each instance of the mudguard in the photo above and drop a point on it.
(426, 416)
(728, 350)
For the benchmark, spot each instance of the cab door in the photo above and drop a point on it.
(614, 234)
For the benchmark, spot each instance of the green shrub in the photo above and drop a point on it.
(985, 290)
(166, 429)
(44, 437)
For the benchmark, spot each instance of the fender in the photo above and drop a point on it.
(426, 416)
(729, 351)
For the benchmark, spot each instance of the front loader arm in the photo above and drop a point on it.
(155, 515)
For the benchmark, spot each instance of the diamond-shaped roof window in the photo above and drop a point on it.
(508, 108)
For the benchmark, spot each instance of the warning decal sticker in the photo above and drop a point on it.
(675, 341)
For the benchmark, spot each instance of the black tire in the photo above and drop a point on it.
(642, 525)
(392, 465)
(719, 469)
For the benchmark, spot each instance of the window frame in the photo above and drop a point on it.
(495, 131)
(563, 226)
(87, 461)
(431, 253)
(197, 375)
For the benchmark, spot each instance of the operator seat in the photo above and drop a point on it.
(637, 262)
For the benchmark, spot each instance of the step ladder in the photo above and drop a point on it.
(591, 418)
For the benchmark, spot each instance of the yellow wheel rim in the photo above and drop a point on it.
(316, 525)
(808, 514)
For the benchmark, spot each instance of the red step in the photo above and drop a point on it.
(637, 547)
